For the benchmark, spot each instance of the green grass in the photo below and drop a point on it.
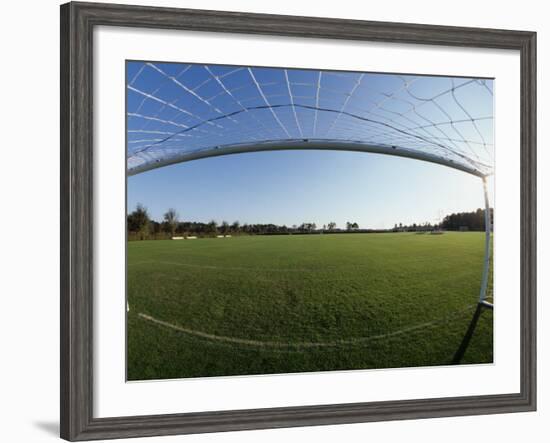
(279, 304)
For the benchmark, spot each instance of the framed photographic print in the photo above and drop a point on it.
(273, 221)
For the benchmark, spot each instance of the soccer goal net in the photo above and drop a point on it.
(178, 112)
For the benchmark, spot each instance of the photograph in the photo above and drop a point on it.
(286, 218)
(283, 220)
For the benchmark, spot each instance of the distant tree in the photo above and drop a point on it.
(224, 227)
(138, 221)
(235, 226)
(154, 227)
(171, 220)
(212, 226)
(331, 226)
(307, 227)
(349, 226)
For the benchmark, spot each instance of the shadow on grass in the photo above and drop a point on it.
(459, 354)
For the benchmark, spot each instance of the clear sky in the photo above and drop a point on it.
(292, 187)
(169, 106)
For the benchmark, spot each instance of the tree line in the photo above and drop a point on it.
(141, 226)
(471, 221)
(461, 221)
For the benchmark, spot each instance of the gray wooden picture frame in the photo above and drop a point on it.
(77, 23)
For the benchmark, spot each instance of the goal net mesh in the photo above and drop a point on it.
(174, 110)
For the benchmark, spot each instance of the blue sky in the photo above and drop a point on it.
(178, 108)
(291, 187)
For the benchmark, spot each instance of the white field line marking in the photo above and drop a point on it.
(274, 344)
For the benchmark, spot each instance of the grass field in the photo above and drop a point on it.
(294, 303)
